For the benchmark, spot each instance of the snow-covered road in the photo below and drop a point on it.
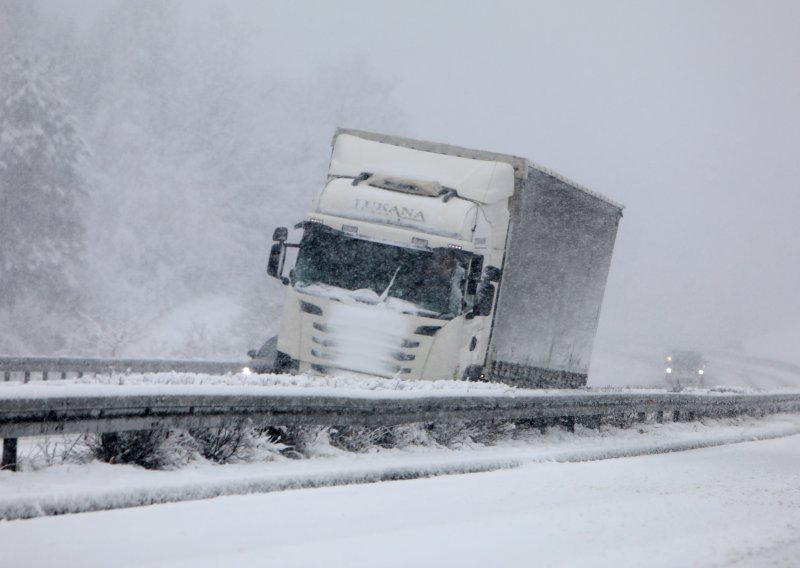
(734, 505)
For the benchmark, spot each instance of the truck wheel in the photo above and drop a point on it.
(474, 373)
(285, 364)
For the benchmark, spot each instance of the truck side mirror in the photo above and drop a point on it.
(493, 274)
(280, 234)
(484, 299)
(277, 256)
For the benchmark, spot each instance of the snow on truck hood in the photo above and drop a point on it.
(485, 181)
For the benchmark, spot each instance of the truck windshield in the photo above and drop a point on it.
(433, 280)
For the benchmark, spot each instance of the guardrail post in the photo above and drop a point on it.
(7, 376)
(9, 460)
(26, 377)
(44, 375)
(660, 416)
(567, 422)
(109, 441)
(676, 415)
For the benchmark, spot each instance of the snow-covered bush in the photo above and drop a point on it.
(240, 440)
(364, 439)
(232, 441)
(53, 450)
(48, 451)
(361, 439)
(152, 449)
(299, 441)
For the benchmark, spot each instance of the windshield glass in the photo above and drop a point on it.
(433, 280)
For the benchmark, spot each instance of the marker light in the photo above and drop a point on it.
(246, 371)
(457, 247)
(669, 370)
(700, 372)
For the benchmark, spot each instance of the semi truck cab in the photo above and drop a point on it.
(395, 275)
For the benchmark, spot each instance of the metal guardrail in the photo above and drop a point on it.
(62, 366)
(70, 414)
(65, 414)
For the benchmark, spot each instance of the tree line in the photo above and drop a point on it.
(143, 164)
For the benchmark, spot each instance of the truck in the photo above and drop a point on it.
(421, 260)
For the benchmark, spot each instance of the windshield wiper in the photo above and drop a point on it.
(385, 294)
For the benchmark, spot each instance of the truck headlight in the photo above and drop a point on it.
(700, 372)
(669, 370)
(246, 371)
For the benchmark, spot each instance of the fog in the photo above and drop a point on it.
(209, 123)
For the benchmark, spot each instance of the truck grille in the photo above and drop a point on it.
(365, 339)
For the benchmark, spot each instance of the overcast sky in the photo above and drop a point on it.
(686, 112)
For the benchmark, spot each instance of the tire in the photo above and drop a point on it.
(474, 373)
(284, 364)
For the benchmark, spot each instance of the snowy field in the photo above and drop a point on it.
(732, 505)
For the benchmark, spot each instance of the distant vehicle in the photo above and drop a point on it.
(685, 368)
(427, 261)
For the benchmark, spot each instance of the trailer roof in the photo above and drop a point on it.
(520, 165)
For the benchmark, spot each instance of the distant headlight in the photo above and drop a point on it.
(700, 372)
(246, 371)
(669, 358)
(669, 370)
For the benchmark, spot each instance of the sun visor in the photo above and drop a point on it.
(481, 180)
(454, 218)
